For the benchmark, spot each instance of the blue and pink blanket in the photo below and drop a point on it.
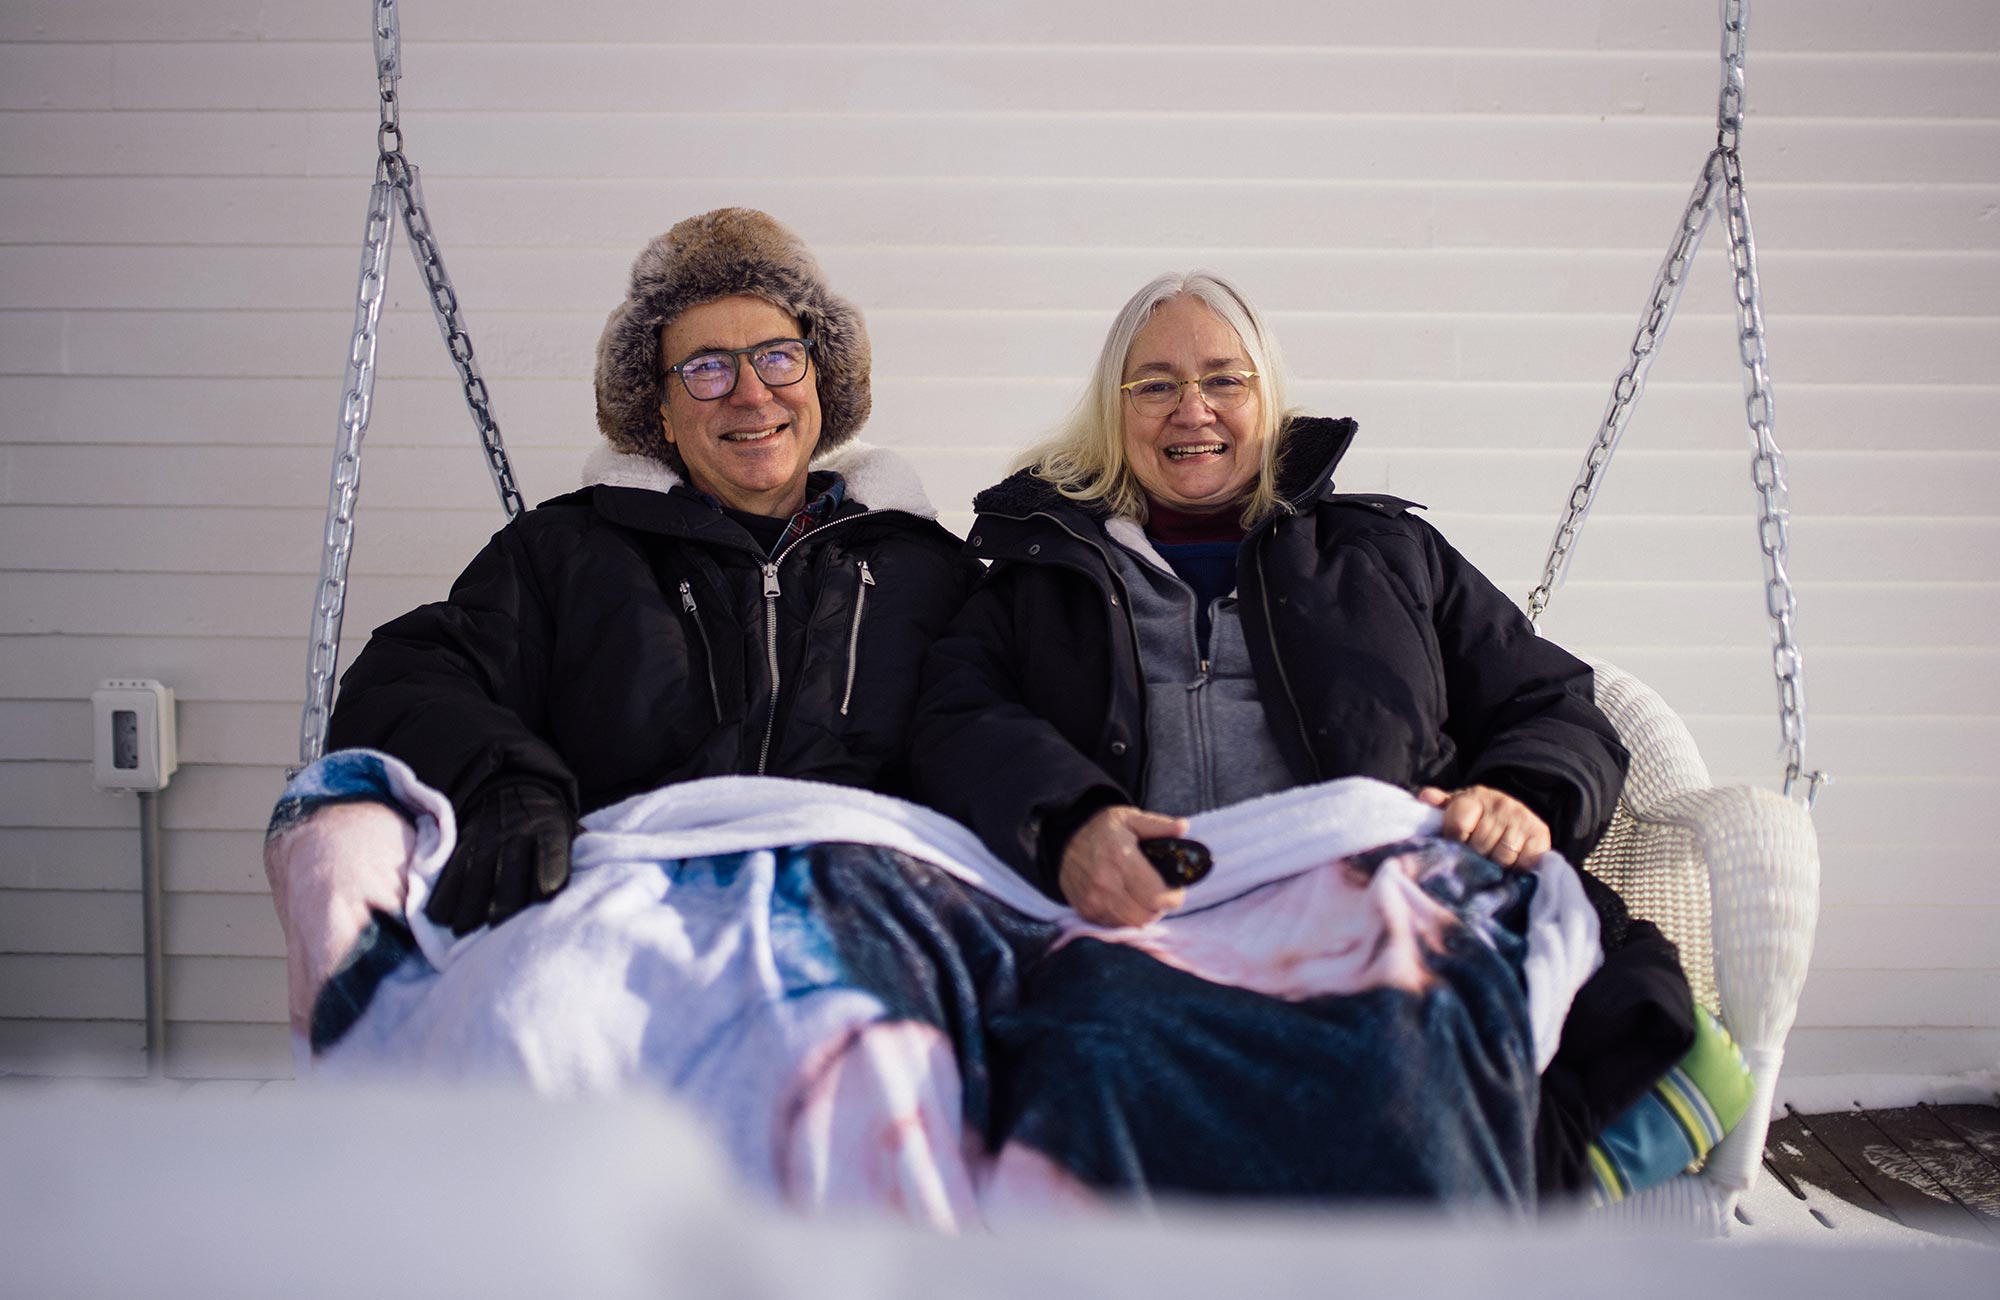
(869, 1009)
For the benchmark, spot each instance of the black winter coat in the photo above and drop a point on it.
(1378, 651)
(623, 637)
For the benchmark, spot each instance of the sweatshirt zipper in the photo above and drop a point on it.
(707, 651)
(854, 634)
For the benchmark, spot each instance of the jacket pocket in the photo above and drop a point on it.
(693, 612)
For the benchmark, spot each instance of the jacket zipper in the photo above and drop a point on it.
(1271, 630)
(854, 634)
(771, 593)
(770, 658)
(707, 651)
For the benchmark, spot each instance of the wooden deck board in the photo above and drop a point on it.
(1978, 1125)
(1964, 1172)
(1914, 1169)
(1794, 1154)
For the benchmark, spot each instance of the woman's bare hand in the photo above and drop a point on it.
(1494, 825)
(1107, 879)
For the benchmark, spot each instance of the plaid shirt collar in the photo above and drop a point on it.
(826, 491)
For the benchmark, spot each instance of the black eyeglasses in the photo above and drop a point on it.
(712, 376)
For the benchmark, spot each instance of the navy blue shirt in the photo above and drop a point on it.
(1209, 568)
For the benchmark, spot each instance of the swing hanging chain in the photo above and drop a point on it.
(395, 179)
(1720, 186)
(403, 174)
(1767, 462)
(444, 305)
(357, 397)
(1767, 474)
(1668, 282)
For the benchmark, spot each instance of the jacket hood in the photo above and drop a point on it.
(876, 477)
(1311, 447)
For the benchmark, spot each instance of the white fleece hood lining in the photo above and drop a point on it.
(876, 477)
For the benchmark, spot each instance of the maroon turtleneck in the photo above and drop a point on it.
(1166, 524)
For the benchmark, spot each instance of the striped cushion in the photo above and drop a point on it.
(1675, 1125)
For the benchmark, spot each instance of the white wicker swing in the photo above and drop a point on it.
(1730, 874)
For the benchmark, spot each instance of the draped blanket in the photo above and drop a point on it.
(870, 1010)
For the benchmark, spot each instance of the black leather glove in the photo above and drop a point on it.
(513, 850)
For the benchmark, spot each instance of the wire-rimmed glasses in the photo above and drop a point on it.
(1222, 390)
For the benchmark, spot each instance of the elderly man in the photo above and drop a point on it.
(709, 603)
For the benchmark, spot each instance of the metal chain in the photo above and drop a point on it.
(402, 173)
(395, 178)
(330, 598)
(1668, 282)
(1767, 474)
(444, 305)
(1720, 185)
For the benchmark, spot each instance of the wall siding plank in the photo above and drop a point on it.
(192, 861)
(799, 78)
(1113, 145)
(81, 1048)
(1832, 25)
(1452, 280)
(1943, 214)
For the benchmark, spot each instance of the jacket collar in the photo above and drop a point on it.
(876, 478)
(1312, 447)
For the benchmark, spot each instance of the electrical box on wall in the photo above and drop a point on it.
(132, 723)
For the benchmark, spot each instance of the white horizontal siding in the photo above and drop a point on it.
(1451, 210)
(639, 77)
(1831, 25)
(1115, 145)
(1508, 281)
(1301, 212)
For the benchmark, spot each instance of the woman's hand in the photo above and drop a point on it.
(1107, 879)
(1494, 825)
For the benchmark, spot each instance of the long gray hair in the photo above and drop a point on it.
(1085, 457)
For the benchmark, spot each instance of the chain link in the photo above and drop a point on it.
(395, 180)
(1719, 187)
(388, 70)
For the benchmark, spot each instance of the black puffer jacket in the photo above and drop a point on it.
(621, 637)
(1378, 651)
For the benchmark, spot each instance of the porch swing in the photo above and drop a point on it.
(1731, 874)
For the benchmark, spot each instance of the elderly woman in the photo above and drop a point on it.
(734, 590)
(1183, 613)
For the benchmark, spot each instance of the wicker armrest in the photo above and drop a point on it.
(1731, 874)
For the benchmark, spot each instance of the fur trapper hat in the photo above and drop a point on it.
(717, 255)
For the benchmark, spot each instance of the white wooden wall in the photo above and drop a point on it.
(1451, 208)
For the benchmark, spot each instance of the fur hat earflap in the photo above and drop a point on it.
(718, 255)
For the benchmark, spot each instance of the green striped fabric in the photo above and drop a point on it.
(1679, 1121)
